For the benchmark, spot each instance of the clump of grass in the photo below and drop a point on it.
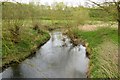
(19, 40)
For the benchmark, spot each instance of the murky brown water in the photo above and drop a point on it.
(56, 59)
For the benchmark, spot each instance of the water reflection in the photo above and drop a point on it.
(56, 59)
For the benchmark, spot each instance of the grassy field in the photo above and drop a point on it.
(20, 39)
(103, 43)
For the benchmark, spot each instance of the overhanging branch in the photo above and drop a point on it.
(100, 6)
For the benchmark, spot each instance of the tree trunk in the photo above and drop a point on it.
(118, 8)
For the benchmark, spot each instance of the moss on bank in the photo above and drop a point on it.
(104, 55)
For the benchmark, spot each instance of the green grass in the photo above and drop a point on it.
(95, 39)
(28, 40)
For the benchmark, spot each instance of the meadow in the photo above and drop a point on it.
(27, 26)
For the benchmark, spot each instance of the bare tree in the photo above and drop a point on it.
(117, 4)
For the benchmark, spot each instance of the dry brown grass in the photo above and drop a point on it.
(91, 27)
(108, 59)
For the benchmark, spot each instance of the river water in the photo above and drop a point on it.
(58, 58)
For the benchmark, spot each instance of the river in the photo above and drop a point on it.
(58, 58)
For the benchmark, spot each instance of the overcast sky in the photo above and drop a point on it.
(49, 2)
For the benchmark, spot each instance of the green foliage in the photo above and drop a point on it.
(78, 15)
(59, 11)
(109, 13)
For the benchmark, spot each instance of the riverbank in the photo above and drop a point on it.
(16, 48)
(103, 51)
(58, 56)
(17, 58)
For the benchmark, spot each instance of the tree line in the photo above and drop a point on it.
(58, 11)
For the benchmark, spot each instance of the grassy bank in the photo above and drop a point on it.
(20, 40)
(103, 43)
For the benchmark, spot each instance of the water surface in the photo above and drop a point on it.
(55, 59)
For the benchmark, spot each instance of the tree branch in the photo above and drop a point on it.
(100, 6)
